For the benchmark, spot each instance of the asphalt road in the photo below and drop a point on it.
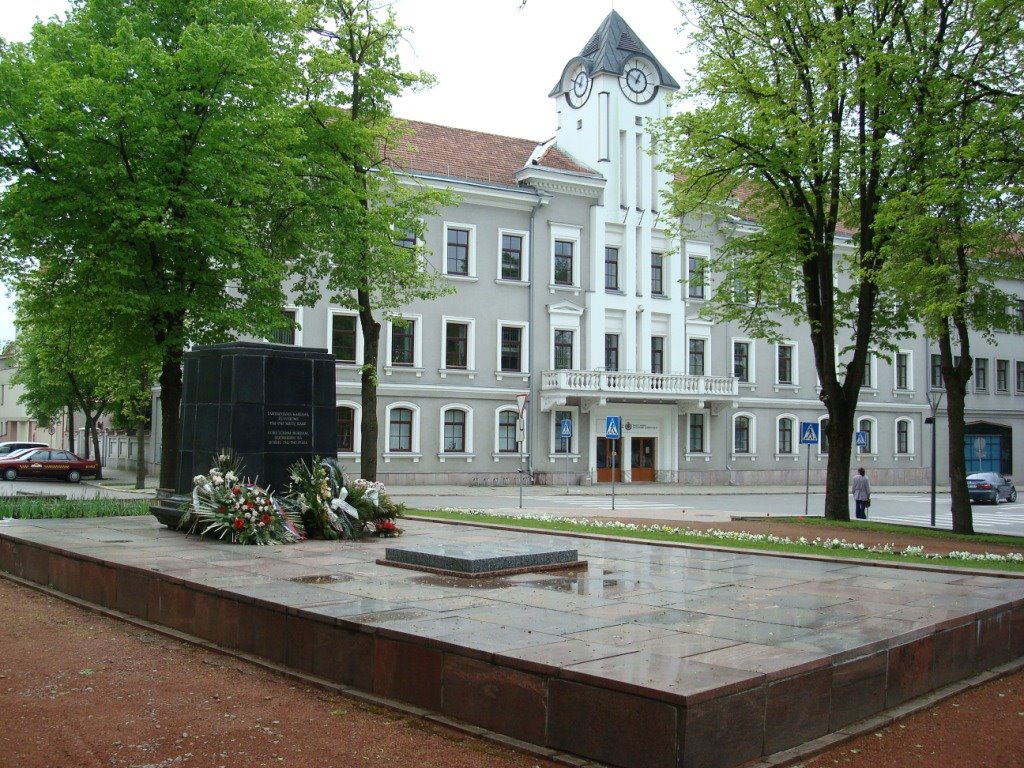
(901, 508)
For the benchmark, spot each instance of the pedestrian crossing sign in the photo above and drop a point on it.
(612, 428)
(808, 433)
(861, 439)
(566, 428)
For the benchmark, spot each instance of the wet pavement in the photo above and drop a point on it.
(668, 643)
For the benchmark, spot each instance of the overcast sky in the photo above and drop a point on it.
(495, 62)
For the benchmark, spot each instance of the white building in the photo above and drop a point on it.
(570, 290)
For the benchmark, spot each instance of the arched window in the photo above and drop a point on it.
(454, 431)
(904, 440)
(867, 425)
(507, 442)
(345, 417)
(742, 434)
(822, 437)
(400, 424)
(785, 442)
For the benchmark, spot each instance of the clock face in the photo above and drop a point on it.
(639, 80)
(579, 85)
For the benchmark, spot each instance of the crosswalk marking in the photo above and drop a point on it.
(604, 502)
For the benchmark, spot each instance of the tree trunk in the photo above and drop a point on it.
(71, 427)
(86, 445)
(955, 377)
(840, 447)
(140, 453)
(170, 416)
(369, 428)
(96, 446)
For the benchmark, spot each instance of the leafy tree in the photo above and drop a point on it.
(956, 226)
(152, 148)
(799, 110)
(362, 209)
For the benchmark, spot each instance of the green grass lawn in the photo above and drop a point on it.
(811, 544)
(59, 509)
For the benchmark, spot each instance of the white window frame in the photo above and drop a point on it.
(751, 367)
(871, 368)
(575, 346)
(417, 346)
(910, 372)
(872, 436)
(795, 444)
(752, 439)
(497, 453)
(995, 375)
(471, 228)
(707, 356)
(821, 436)
(575, 236)
(706, 453)
(413, 454)
(524, 364)
(525, 277)
(470, 369)
(701, 251)
(988, 374)
(467, 453)
(795, 383)
(298, 323)
(331, 314)
(357, 424)
(896, 438)
(574, 441)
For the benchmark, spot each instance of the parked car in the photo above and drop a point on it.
(62, 465)
(9, 447)
(991, 487)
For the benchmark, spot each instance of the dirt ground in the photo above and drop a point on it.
(79, 689)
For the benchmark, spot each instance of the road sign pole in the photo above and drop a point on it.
(614, 443)
(807, 482)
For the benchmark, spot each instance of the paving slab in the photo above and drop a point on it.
(649, 656)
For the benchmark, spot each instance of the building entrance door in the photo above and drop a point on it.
(604, 460)
(642, 459)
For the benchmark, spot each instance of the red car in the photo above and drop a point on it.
(49, 462)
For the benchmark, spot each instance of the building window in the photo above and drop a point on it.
(823, 437)
(563, 350)
(611, 269)
(456, 345)
(346, 420)
(980, 374)
(507, 442)
(562, 444)
(697, 281)
(785, 363)
(696, 444)
(741, 434)
(1002, 375)
(741, 361)
(343, 338)
(511, 257)
(400, 430)
(785, 443)
(1018, 313)
(657, 354)
(454, 431)
(1020, 376)
(903, 436)
(696, 357)
(403, 342)
(285, 335)
(865, 425)
(458, 252)
(936, 370)
(407, 240)
(611, 351)
(511, 348)
(902, 370)
(657, 274)
(563, 262)
(866, 379)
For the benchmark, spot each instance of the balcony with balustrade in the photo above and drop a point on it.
(588, 388)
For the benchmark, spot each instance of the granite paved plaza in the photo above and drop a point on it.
(651, 656)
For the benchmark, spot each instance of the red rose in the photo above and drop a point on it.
(222, 509)
(236, 490)
(239, 523)
(265, 519)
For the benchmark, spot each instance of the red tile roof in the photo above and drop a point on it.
(457, 153)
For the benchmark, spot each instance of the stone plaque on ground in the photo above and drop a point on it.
(479, 559)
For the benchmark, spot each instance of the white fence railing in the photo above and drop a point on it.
(625, 382)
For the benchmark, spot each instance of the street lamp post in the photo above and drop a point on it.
(933, 405)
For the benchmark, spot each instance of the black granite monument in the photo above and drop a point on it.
(270, 404)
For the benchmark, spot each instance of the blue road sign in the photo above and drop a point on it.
(808, 433)
(565, 429)
(860, 439)
(612, 427)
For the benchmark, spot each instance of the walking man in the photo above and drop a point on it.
(861, 494)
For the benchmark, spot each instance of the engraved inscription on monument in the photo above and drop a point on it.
(288, 428)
